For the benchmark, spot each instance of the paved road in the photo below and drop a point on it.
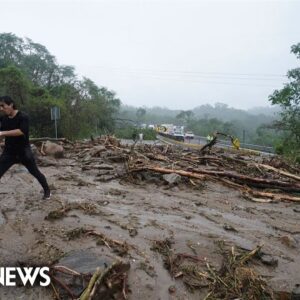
(199, 141)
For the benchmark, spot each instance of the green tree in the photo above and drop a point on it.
(13, 82)
(11, 49)
(30, 74)
(289, 100)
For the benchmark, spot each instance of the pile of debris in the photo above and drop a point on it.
(234, 280)
(105, 283)
(258, 178)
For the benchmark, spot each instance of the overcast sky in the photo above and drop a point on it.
(176, 54)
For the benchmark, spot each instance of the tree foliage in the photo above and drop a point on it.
(30, 74)
(289, 100)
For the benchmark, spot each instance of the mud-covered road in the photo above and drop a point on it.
(196, 218)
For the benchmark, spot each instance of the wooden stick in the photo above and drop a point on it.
(87, 292)
(169, 171)
(43, 139)
(273, 196)
(101, 277)
(66, 270)
(287, 174)
(260, 182)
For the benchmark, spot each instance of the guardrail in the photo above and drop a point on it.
(202, 140)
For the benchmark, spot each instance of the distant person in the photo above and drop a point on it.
(141, 137)
(135, 135)
(14, 127)
(209, 138)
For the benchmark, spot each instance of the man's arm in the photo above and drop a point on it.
(15, 132)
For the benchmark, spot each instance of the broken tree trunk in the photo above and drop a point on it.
(257, 182)
(44, 139)
(169, 171)
(284, 173)
(275, 197)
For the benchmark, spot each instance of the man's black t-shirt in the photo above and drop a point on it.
(19, 121)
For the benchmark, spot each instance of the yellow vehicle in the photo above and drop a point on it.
(234, 140)
(212, 140)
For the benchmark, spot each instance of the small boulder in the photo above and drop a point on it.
(172, 178)
(269, 260)
(53, 149)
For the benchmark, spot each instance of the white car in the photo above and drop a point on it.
(189, 135)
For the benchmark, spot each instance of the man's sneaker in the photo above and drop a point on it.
(47, 195)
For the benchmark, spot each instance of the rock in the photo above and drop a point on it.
(52, 149)
(269, 260)
(289, 241)
(44, 161)
(172, 178)
(84, 261)
(86, 158)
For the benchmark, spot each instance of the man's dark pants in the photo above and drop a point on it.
(26, 158)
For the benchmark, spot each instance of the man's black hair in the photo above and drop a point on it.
(8, 100)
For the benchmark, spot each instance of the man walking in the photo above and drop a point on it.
(14, 127)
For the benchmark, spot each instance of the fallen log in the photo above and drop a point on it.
(267, 167)
(257, 182)
(44, 139)
(274, 197)
(284, 173)
(169, 171)
(257, 196)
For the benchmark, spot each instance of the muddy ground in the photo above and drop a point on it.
(197, 218)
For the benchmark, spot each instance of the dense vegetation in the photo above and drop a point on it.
(289, 100)
(131, 132)
(31, 75)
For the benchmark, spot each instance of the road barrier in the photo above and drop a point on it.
(199, 141)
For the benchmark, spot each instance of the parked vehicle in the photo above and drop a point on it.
(189, 135)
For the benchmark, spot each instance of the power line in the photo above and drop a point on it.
(184, 72)
(201, 80)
